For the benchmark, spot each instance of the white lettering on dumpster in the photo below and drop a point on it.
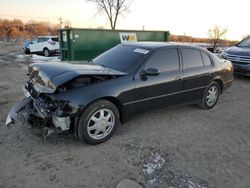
(128, 37)
(64, 36)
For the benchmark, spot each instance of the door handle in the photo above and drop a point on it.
(178, 78)
(211, 73)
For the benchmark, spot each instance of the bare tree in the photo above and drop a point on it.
(215, 34)
(112, 8)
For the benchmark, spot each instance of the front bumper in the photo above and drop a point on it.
(32, 112)
(241, 69)
(13, 114)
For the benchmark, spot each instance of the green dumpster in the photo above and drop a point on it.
(85, 44)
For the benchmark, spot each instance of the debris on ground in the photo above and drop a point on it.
(157, 169)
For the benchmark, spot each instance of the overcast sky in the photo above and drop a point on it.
(192, 17)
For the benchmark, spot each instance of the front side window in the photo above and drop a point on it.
(191, 58)
(164, 60)
(40, 40)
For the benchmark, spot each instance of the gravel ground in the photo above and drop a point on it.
(182, 147)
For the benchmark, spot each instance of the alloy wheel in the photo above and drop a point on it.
(101, 124)
(212, 96)
(46, 53)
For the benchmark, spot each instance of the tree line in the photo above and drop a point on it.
(189, 39)
(17, 29)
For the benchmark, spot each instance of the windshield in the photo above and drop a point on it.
(245, 43)
(122, 58)
(34, 40)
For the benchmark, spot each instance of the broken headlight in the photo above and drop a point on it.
(42, 84)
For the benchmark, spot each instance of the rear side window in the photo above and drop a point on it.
(56, 39)
(191, 58)
(206, 59)
(165, 60)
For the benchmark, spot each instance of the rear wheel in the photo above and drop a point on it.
(98, 122)
(46, 52)
(211, 96)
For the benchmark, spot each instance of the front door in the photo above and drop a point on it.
(33, 45)
(152, 92)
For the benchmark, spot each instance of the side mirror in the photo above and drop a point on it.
(149, 72)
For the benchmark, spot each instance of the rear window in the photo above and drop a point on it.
(56, 39)
(192, 58)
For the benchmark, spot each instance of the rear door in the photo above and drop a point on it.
(43, 44)
(162, 90)
(198, 72)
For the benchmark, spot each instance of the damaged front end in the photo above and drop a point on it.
(40, 106)
(38, 111)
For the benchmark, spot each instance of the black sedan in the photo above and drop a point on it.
(91, 99)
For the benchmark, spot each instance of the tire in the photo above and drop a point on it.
(46, 52)
(27, 51)
(98, 122)
(211, 96)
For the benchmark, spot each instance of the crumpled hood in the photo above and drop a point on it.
(59, 73)
(239, 51)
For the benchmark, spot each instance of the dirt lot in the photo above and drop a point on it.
(176, 147)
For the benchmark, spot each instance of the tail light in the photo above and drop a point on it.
(51, 42)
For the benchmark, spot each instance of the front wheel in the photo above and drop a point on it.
(98, 122)
(27, 51)
(211, 96)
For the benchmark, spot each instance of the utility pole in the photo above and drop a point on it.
(60, 22)
(143, 27)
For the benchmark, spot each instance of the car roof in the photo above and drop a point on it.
(156, 45)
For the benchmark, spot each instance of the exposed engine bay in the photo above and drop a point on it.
(83, 81)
